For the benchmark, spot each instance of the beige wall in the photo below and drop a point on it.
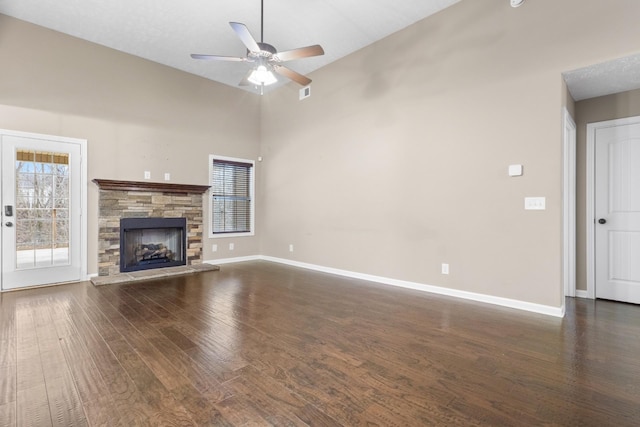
(600, 109)
(398, 161)
(135, 114)
(396, 164)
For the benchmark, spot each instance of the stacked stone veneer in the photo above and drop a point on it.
(114, 204)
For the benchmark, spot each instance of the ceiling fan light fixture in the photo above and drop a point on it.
(261, 75)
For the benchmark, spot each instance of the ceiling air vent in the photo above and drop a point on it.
(305, 92)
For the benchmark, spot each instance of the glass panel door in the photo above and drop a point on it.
(41, 198)
(42, 209)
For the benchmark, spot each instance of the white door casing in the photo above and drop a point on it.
(569, 205)
(614, 219)
(23, 267)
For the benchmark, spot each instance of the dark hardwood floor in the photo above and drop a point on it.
(264, 344)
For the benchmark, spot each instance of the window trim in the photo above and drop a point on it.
(213, 235)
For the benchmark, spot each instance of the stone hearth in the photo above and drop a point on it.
(127, 199)
(158, 273)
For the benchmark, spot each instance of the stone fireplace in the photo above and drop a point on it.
(131, 199)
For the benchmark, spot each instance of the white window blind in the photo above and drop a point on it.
(231, 192)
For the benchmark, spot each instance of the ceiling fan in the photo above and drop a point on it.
(265, 56)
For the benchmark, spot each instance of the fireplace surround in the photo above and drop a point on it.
(133, 199)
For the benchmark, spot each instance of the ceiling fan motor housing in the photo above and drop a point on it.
(266, 51)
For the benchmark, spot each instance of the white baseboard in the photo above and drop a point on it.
(581, 294)
(232, 260)
(488, 299)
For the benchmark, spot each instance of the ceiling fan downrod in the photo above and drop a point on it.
(261, 21)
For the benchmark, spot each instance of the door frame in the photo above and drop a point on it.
(83, 188)
(591, 195)
(569, 205)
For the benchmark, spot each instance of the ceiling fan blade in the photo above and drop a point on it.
(218, 57)
(302, 52)
(245, 36)
(290, 74)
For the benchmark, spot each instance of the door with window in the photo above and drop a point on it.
(41, 210)
(617, 212)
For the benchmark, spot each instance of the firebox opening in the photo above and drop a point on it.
(147, 243)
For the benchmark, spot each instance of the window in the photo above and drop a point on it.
(231, 197)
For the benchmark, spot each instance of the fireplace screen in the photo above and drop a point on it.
(147, 243)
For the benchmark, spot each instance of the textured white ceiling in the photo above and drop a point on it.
(168, 31)
(606, 78)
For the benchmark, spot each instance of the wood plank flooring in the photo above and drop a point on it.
(261, 344)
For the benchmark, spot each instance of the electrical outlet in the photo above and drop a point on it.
(290, 248)
(231, 246)
(214, 248)
(167, 176)
(445, 268)
(147, 174)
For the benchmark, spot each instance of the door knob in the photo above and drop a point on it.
(8, 224)
(602, 221)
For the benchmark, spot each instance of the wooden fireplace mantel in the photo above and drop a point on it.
(159, 187)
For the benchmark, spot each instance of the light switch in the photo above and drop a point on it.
(535, 203)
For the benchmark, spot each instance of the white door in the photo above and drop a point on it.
(617, 213)
(41, 210)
